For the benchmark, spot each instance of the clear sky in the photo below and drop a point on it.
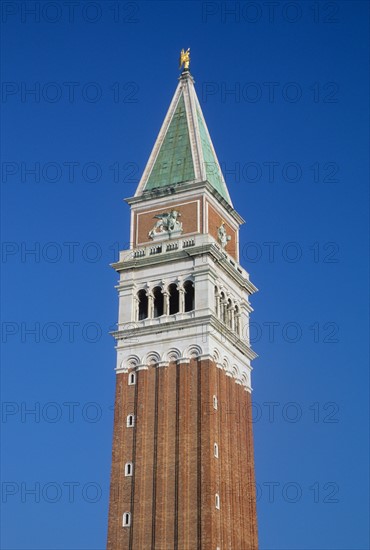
(284, 89)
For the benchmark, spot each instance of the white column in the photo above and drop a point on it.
(181, 290)
(135, 313)
(166, 302)
(150, 304)
(232, 317)
(237, 323)
(217, 302)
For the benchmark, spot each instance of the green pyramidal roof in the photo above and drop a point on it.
(213, 171)
(174, 162)
(183, 151)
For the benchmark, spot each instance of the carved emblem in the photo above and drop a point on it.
(168, 222)
(223, 237)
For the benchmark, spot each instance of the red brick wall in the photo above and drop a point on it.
(172, 493)
(214, 221)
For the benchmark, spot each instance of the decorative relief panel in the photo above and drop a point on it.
(187, 220)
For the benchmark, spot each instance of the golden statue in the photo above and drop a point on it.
(184, 59)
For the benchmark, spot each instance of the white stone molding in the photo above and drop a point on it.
(142, 367)
(193, 351)
(205, 357)
(183, 361)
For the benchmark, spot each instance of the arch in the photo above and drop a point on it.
(193, 351)
(132, 361)
(235, 372)
(246, 380)
(174, 299)
(142, 311)
(226, 364)
(132, 378)
(189, 295)
(173, 354)
(216, 356)
(158, 301)
(152, 358)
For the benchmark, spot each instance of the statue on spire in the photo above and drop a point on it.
(184, 59)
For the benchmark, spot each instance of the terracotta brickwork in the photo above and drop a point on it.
(171, 494)
(214, 221)
(191, 216)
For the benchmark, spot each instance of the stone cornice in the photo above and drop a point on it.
(178, 188)
(140, 330)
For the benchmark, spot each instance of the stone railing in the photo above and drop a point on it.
(153, 249)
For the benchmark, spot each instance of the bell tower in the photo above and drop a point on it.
(182, 462)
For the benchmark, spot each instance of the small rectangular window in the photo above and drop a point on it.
(217, 501)
(215, 403)
(128, 469)
(130, 421)
(126, 520)
(215, 450)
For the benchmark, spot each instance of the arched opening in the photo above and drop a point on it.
(143, 305)
(223, 307)
(158, 301)
(215, 450)
(126, 520)
(174, 298)
(132, 379)
(189, 295)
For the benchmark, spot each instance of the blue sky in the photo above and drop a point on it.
(284, 89)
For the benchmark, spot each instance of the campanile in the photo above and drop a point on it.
(182, 461)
